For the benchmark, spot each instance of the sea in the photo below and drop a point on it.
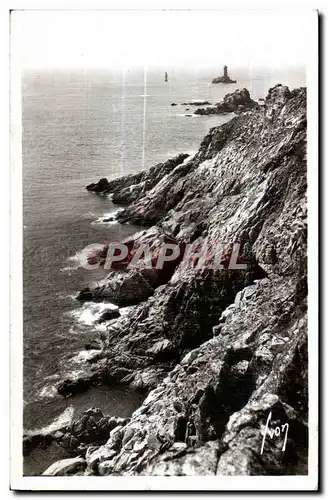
(79, 126)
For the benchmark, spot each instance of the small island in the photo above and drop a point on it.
(225, 78)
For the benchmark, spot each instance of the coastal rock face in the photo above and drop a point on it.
(238, 101)
(90, 427)
(223, 352)
(73, 438)
(135, 282)
(131, 187)
(124, 289)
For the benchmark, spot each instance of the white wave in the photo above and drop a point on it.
(84, 356)
(84, 316)
(74, 258)
(76, 262)
(54, 376)
(190, 115)
(110, 215)
(68, 269)
(101, 220)
(62, 420)
(125, 310)
(90, 312)
(73, 374)
(66, 296)
(201, 102)
(76, 329)
(87, 215)
(102, 327)
(48, 391)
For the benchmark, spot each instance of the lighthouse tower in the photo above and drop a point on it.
(225, 71)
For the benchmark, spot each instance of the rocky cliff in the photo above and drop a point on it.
(219, 353)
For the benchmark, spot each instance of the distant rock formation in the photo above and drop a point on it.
(196, 103)
(235, 102)
(225, 78)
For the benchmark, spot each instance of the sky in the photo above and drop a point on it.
(100, 39)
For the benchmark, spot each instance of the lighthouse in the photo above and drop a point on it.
(225, 78)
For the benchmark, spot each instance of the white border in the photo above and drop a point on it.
(313, 247)
(224, 483)
(16, 258)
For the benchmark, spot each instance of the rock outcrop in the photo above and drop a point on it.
(75, 436)
(66, 467)
(131, 187)
(99, 187)
(134, 283)
(223, 79)
(219, 351)
(237, 102)
(196, 103)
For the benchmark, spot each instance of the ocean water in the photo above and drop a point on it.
(77, 127)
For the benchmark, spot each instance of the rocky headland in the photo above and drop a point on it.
(214, 351)
(237, 102)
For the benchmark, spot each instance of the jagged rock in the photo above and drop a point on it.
(75, 437)
(181, 461)
(138, 282)
(85, 295)
(108, 315)
(119, 289)
(98, 187)
(69, 386)
(66, 467)
(95, 344)
(160, 349)
(226, 400)
(236, 102)
(131, 187)
(91, 427)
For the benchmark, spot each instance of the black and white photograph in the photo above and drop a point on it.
(164, 323)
